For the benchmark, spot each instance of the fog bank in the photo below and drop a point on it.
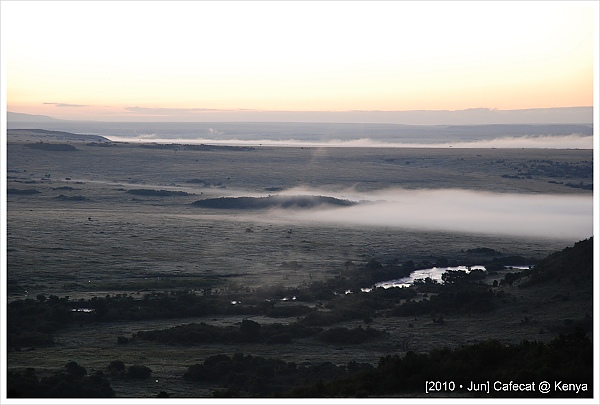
(574, 141)
(536, 215)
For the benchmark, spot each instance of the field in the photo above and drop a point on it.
(97, 219)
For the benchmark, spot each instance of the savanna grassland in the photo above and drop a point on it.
(118, 279)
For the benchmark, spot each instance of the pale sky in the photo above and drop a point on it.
(117, 60)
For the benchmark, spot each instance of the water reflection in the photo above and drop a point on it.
(434, 273)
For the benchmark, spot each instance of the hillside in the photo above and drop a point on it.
(38, 134)
(574, 264)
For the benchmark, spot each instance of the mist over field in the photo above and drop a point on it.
(574, 141)
(535, 215)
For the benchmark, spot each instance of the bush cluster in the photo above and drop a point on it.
(72, 382)
(246, 376)
(248, 332)
(117, 369)
(452, 299)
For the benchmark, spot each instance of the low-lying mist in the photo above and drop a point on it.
(537, 215)
(574, 141)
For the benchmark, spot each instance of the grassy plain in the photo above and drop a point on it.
(98, 239)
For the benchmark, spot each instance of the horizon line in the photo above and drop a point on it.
(199, 115)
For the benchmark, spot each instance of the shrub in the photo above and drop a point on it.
(122, 340)
(250, 329)
(136, 372)
(75, 369)
(116, 367)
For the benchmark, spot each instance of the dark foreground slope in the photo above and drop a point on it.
(517, 370)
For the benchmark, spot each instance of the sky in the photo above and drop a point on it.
(167, 60)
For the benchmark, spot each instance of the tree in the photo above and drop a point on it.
(250, 329)
(453, 276)
(138, 372)
(75, 369)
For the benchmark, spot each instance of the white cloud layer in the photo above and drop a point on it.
(536, 215)
(574, 141)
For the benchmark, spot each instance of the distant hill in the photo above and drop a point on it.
(20, 117)
(41, 134)
(520, 129)
(472, 116)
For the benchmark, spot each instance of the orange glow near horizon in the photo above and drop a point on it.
(296, 56)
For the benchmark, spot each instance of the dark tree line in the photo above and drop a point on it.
(253, 332)
(71, 382)
(254, 376)
(248, 332)
(567, 358)
(157, 193)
